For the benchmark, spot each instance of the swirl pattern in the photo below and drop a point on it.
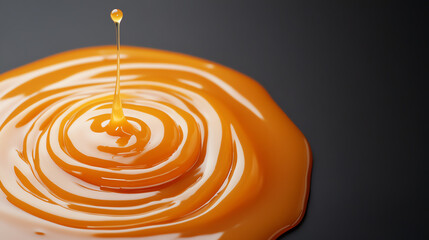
(183, 159)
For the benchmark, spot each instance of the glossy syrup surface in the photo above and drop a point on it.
(204, 151)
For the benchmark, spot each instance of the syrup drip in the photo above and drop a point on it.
(204, 150)
(117, 112)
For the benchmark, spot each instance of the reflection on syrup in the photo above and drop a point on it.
(204, 151)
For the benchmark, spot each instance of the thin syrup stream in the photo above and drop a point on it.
(117, 112)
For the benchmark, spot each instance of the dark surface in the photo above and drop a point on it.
(349, 75)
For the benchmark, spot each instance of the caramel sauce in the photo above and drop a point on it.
(203, 152)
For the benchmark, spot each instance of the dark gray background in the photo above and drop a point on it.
(348, 74)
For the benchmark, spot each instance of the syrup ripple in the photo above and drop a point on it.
(182, 156)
